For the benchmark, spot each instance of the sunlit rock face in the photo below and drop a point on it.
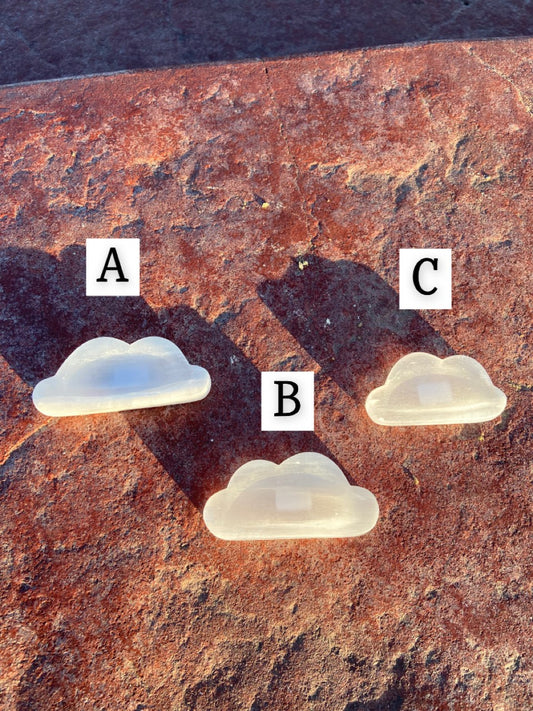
(271, 200)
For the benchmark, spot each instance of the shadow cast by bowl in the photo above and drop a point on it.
(347, 318)
(201, 444)
(46, 315)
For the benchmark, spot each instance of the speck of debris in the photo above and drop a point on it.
(302, 264)
(521, 386)
(261, 201)
(328, 322)
(413, 477)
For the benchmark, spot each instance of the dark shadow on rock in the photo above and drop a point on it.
(392, 699)
(45, 315)
(54, 38)
(201, 444)
(347, 318)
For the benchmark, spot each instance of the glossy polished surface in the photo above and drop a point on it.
(109, 375)
(306, 496)
(422, 389)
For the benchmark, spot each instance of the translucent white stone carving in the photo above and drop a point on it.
(306, 496)
(108, 375)
(422, 389)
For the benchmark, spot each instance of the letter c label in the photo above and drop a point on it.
(416, 275)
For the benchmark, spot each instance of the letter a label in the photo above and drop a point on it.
(112, 267)
(425, 278)
(288, 401)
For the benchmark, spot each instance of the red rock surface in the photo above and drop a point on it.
(270, 200)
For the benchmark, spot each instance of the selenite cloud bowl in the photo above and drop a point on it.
(306, 496)
(422, 389)
(109, 375)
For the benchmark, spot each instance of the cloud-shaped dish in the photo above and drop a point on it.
(108, 375)
(422, 389)
(306, 496)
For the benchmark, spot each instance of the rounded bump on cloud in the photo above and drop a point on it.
(110, 375)
(422, 389)
(306, 496)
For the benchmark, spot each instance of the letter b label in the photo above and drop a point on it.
(425, 278)
(112, 267)
(288, 401)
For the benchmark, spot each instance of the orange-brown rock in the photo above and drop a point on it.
(271, 199)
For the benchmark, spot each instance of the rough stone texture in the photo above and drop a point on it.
(42, 39)
(271, 200)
